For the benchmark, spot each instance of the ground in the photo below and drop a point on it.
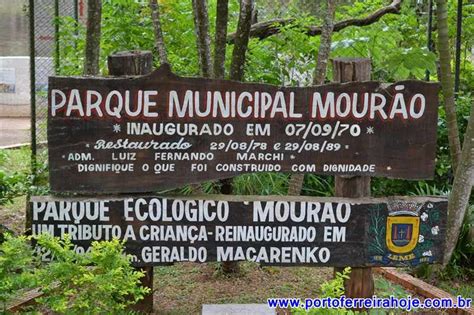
(183, 288)
(14, 131)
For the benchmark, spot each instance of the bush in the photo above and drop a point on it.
(17, 263)
(333, 288)
(98, 282)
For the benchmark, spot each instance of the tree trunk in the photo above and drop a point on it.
(92, 51)
(447, 83)
(159, 40)
(222, 17)
(325, 44)
(241, 40)
(296, 181)
(461, 190)
(237, 73)
(203, 41)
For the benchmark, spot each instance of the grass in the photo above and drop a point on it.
(12, 215)
(183, 288)
(15, 165)
(465, 289)
(15, 160)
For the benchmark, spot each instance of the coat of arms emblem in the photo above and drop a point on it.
(403, 226)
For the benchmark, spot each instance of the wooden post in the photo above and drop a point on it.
(135, 63)
(361, 282)
(228, 267)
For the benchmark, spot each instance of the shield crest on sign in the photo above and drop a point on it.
(402, 233)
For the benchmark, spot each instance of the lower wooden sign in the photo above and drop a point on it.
(270, 230)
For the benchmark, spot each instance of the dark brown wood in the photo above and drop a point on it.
(299, 136)
(312, 231)
(352, 186)
(24, 301)
(136, 63)
(128, 63)
(146, 305)
(361, 281)
(228, 267)
(268, 28)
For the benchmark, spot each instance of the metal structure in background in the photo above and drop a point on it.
(44, 62)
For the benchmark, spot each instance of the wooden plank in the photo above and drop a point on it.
(271, 230)
(23, 301)
(361, 282)
(422, 288)
(144, 133)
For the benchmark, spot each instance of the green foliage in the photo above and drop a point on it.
(72, 43)
(16, 178)
(261, 184)
(17, 263)
(318, 185)
(385, 289)
(127, 25)
(100, 281)
(11, 185)
(396, 43)
(333, 288)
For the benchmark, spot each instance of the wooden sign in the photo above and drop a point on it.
(272, 230)
(141, 134)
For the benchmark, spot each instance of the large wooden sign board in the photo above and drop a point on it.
(140, 134)
(273, 230)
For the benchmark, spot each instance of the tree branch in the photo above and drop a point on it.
(268, 28)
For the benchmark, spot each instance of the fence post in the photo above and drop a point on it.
(33, 163)
(361, 282)
(135, 63)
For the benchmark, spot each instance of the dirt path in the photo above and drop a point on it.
(14, 131)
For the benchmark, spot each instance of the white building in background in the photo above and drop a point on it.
(14, 60)
(14, 51)
(15, 83)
